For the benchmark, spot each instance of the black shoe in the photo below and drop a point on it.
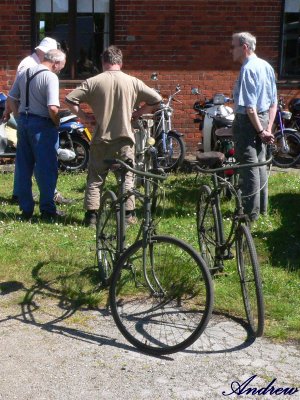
(14, 199)
(90, 218)
(26, 216)
(52, 217)
(59, 199)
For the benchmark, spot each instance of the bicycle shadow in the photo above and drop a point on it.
(36, 311)
(283, 243)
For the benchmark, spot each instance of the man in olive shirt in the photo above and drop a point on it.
(112, 95)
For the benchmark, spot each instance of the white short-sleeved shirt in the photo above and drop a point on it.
(28, 62)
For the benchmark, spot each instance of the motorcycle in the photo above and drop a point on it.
(215, 120)
(74, 139)
(286, 146)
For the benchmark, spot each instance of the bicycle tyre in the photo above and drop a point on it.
(251, 284)
(208, 229)
(107, 236)
(174, 155)
(282, 159)
(167, 308)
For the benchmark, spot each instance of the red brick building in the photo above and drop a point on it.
(184, 41)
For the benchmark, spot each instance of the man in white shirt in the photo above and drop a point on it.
(34, 59)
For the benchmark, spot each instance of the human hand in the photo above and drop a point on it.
(136, 114)
(5, 116)
(266, 137)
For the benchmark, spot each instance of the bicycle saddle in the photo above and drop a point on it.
(211, 159)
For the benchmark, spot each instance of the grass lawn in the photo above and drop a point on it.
(57, 261)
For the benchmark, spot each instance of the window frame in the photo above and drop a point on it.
(282, 58)
(72, 17)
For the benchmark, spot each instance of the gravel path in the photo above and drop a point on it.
(51, 352)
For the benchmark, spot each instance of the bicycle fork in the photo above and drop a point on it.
(149, 261)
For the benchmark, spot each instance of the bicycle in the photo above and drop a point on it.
(161, 293)
(169, 143)
(216, 248)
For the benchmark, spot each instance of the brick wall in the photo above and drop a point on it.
(186, 41)
(15, 38)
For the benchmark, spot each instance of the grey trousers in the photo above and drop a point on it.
(97, 172)
(249, 148)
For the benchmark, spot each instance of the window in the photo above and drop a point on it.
(81, 27)
(290, 50)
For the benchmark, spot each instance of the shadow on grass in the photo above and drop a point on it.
(68, 219)
(50, 301)
(283, 243)
(180, 196)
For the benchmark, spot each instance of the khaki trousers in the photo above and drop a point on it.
(97, 172)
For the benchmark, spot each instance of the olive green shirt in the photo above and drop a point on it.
(112, 95)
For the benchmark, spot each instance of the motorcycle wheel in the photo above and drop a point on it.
(174, 155)
(288, 159)
(82, 150)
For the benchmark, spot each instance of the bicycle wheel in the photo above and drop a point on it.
(208, 229)
(248, 268)
(172, 155)
(161, 296)
(107, 236)
(289, 156)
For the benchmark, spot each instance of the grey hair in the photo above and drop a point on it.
(246, 38)
(55, 56)
(112, 55)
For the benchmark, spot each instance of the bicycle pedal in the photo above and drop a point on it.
(217, 270)
(219, 274)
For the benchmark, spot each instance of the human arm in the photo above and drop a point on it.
(76, 109)
(149, 97)
(145, 109)
(12, 106)
(74, 100)
(7, 111)
(53, 112)
(265, 134)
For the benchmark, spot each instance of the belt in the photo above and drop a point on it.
(34, 115)
(246, 115)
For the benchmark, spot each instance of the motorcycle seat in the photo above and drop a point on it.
(224, 132)
(210, 159)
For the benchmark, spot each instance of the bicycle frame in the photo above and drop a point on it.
(224, 245)
(120, 168)
(163, 120)
(280, 118)
(238, 215)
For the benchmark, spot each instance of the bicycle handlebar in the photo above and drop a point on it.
(135, 171)
(235, 166)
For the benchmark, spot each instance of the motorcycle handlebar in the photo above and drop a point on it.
(124, 165)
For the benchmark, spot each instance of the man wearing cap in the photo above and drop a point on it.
(30, 61)
(34, 98)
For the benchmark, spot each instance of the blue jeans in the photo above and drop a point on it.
(36, 152)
